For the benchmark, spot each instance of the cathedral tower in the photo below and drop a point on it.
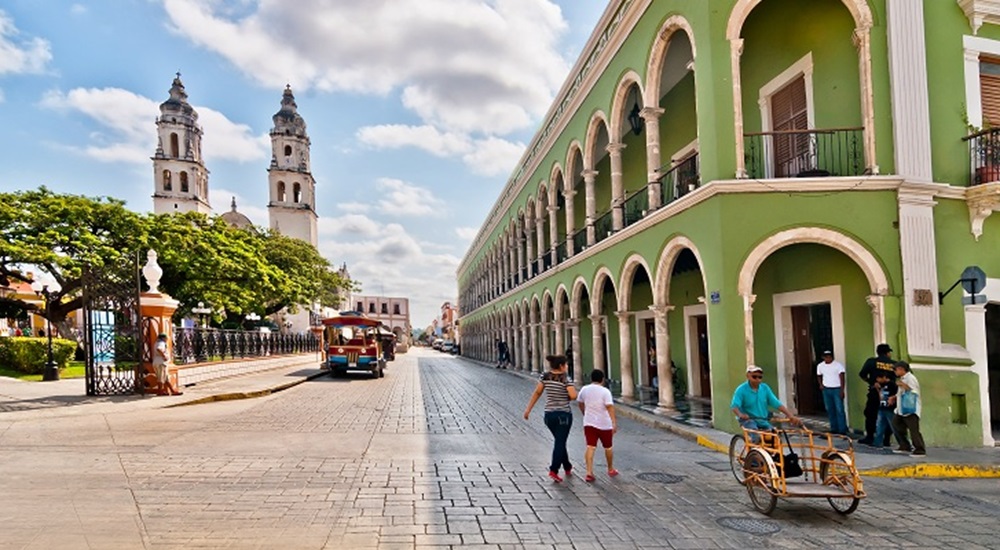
(292, 208)
(179, 173)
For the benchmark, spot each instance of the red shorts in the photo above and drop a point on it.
(592, 435)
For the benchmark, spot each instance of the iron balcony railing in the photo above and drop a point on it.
(681, 179)
(561, 252)
(579, 240)
(984, 154)
(547, 260)
(201, 345)
(805, 153)
(524, 274)
(603, 227)
(636, 206)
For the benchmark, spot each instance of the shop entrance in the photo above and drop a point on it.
(812, 333)
(993, 364)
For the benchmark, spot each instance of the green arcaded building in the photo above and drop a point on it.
(728, 182)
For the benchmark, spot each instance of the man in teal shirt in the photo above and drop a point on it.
(753, 401)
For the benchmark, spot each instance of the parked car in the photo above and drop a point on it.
(448, 347)
(437, 344)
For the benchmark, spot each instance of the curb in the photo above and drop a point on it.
(245, 395)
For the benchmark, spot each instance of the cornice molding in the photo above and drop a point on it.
(981, 11)
(983, 200)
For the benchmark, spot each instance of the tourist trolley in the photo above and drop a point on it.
(796, 463)
(352, 342)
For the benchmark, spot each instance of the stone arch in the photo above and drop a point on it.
(562, 299)
(555, 175)
(859, 9)
(603, 275)
(632, 263)
(658, 53)
(598, 121)
(664, 265)
(579, 287)
(574, 164)
(618, 106)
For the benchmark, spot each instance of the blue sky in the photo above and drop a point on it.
(417, 110)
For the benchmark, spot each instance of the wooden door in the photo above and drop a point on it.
(704, 367)
(805, 386)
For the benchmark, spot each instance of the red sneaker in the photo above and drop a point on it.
(569, 473)
(590, 478)
(555, 477)
(612, 473)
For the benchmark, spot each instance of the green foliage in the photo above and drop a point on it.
(29, 355)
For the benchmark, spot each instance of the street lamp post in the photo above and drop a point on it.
(252, 317)
(201, 311)
(48, 289)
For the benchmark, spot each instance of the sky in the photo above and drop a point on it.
(417, 110)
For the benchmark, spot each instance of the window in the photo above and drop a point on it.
(288, 150)
(361, 307)
(175, 149)
(184, 182)
(789, 112)
(371, 307)
(989, 89)
(168, 185)
(281, 191)
(385, 308)
(395, 309)
(297, 192)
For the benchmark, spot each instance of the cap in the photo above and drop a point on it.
(827, 352)
(162, 335)
(882, 348)
(754, 368)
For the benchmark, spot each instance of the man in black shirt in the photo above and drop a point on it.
(882, 363)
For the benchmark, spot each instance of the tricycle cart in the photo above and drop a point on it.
(763, 461)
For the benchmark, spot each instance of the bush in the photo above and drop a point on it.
(28, 355)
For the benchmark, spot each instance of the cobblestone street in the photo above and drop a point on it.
(435, 455)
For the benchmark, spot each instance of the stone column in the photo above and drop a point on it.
(546, 350)
(975, 341)
(920, 285)
(625, 352)
(523, 363)
(560, 338)
(664, 370)
(651, 115)
(589, 177)
(574, 337)
(735, 52)
(617, 186)
(570, 221)
(598, 343)
(748, 300)
(540, 234)
(553, 233)
(529, 242)
(533, 339)
(520, 258)
(156, 309)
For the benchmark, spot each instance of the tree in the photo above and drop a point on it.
(58, 235)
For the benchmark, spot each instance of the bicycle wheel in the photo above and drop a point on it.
(758, 482)
(836, 472)
(737, 452)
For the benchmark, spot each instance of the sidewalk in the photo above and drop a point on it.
(983, 462)
(68, 397)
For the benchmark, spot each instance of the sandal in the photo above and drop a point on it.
(612, 473)
(590, 478)
(555, 477)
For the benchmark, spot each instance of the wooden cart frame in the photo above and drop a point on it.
(758, 459)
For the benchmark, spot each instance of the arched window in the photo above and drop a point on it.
(184, 182)
(281, 191)
(168, 185)
(288, 150)
(296, 193)
(175, 148)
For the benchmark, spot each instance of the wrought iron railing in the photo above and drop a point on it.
(681, 179)
(805, 153)
(636, 206)
(200, 345)
(547, 260)
(524, 274)
(984, 154)
(561, 252)
(579, 240)
(603, 227)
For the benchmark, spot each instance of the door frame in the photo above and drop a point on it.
(639, 345)
(975, 341)
(783, 343)
(691, 346)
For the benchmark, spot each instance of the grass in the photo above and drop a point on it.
(74, 369)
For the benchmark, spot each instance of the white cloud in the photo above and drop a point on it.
(21, 55)
(428, 138)
(130, 136)
(358, 207)
(221, 200)
(466, 233)
(349, 225)
(462, 65)
(402, 198)
(493, 156)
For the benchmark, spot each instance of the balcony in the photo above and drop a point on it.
(809, 153)
(603, 227)
(680, 180)
(984, 156)
(561, 252)
(579, 240)
(636, 206)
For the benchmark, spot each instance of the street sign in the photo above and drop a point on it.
(973, 280)
(975, 299)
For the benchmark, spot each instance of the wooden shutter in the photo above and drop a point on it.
(789, 111)
(989, 90)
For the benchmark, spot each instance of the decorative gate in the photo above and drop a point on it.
(112, 327)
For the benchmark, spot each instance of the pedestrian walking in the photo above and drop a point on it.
(558, 390)
(886, 408)
(882, 362)
(831, 375)
(907, 419)
(503, 354)
(161, 364)
(599, 422)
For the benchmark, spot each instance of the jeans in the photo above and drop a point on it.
(755, 424)
(885, 417)
(835, 408)
(871, 414)
(559, 423)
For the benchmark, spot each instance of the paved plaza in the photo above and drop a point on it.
(435, 455)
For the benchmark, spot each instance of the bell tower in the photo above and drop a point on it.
(179, 174)
(292, 206)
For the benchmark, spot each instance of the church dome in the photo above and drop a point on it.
(177, 103)
(236, 219)
(288, 120)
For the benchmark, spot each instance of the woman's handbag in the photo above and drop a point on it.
(908, 403)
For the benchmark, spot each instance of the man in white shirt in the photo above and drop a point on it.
(832, 378)
(599, 422)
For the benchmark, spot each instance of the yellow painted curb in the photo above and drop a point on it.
(936, 471)
(706, 442)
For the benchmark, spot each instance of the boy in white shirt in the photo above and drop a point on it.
(599, 422)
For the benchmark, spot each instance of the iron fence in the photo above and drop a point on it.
(805, 153)
(201, 345)
(579, 240)
(680, 180)
(561, 252)
(984, 156)
(603, 227)
(636, 206)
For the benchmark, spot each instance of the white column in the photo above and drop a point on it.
(735, 52)
(862, 41)
(748, 300)
(920, 286)
(911, 125)
(664, 370)
(589, 177)
(617, 186)
(625, 353)
(651, 116)
(975, 340)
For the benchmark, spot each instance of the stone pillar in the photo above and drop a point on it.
(529, 242)
(156, 310)
(553, 233)
(748, 300)
(560, 338)
(598, 343)
(536, 363)
(651, 116)
(570, 221)
(540, 234)
(589, 177)
(522, 362)
(920, 285)
(574, 338)
(546, 350)
(735, 52)
(625, 353)
(664, 370)
(617, 187)
(975, 340)
(520, 258)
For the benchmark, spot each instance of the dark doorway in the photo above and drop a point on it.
(649, 332)
(993, 363)
(704, 367)
(812, 330)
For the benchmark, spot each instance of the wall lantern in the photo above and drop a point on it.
(635, 120)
